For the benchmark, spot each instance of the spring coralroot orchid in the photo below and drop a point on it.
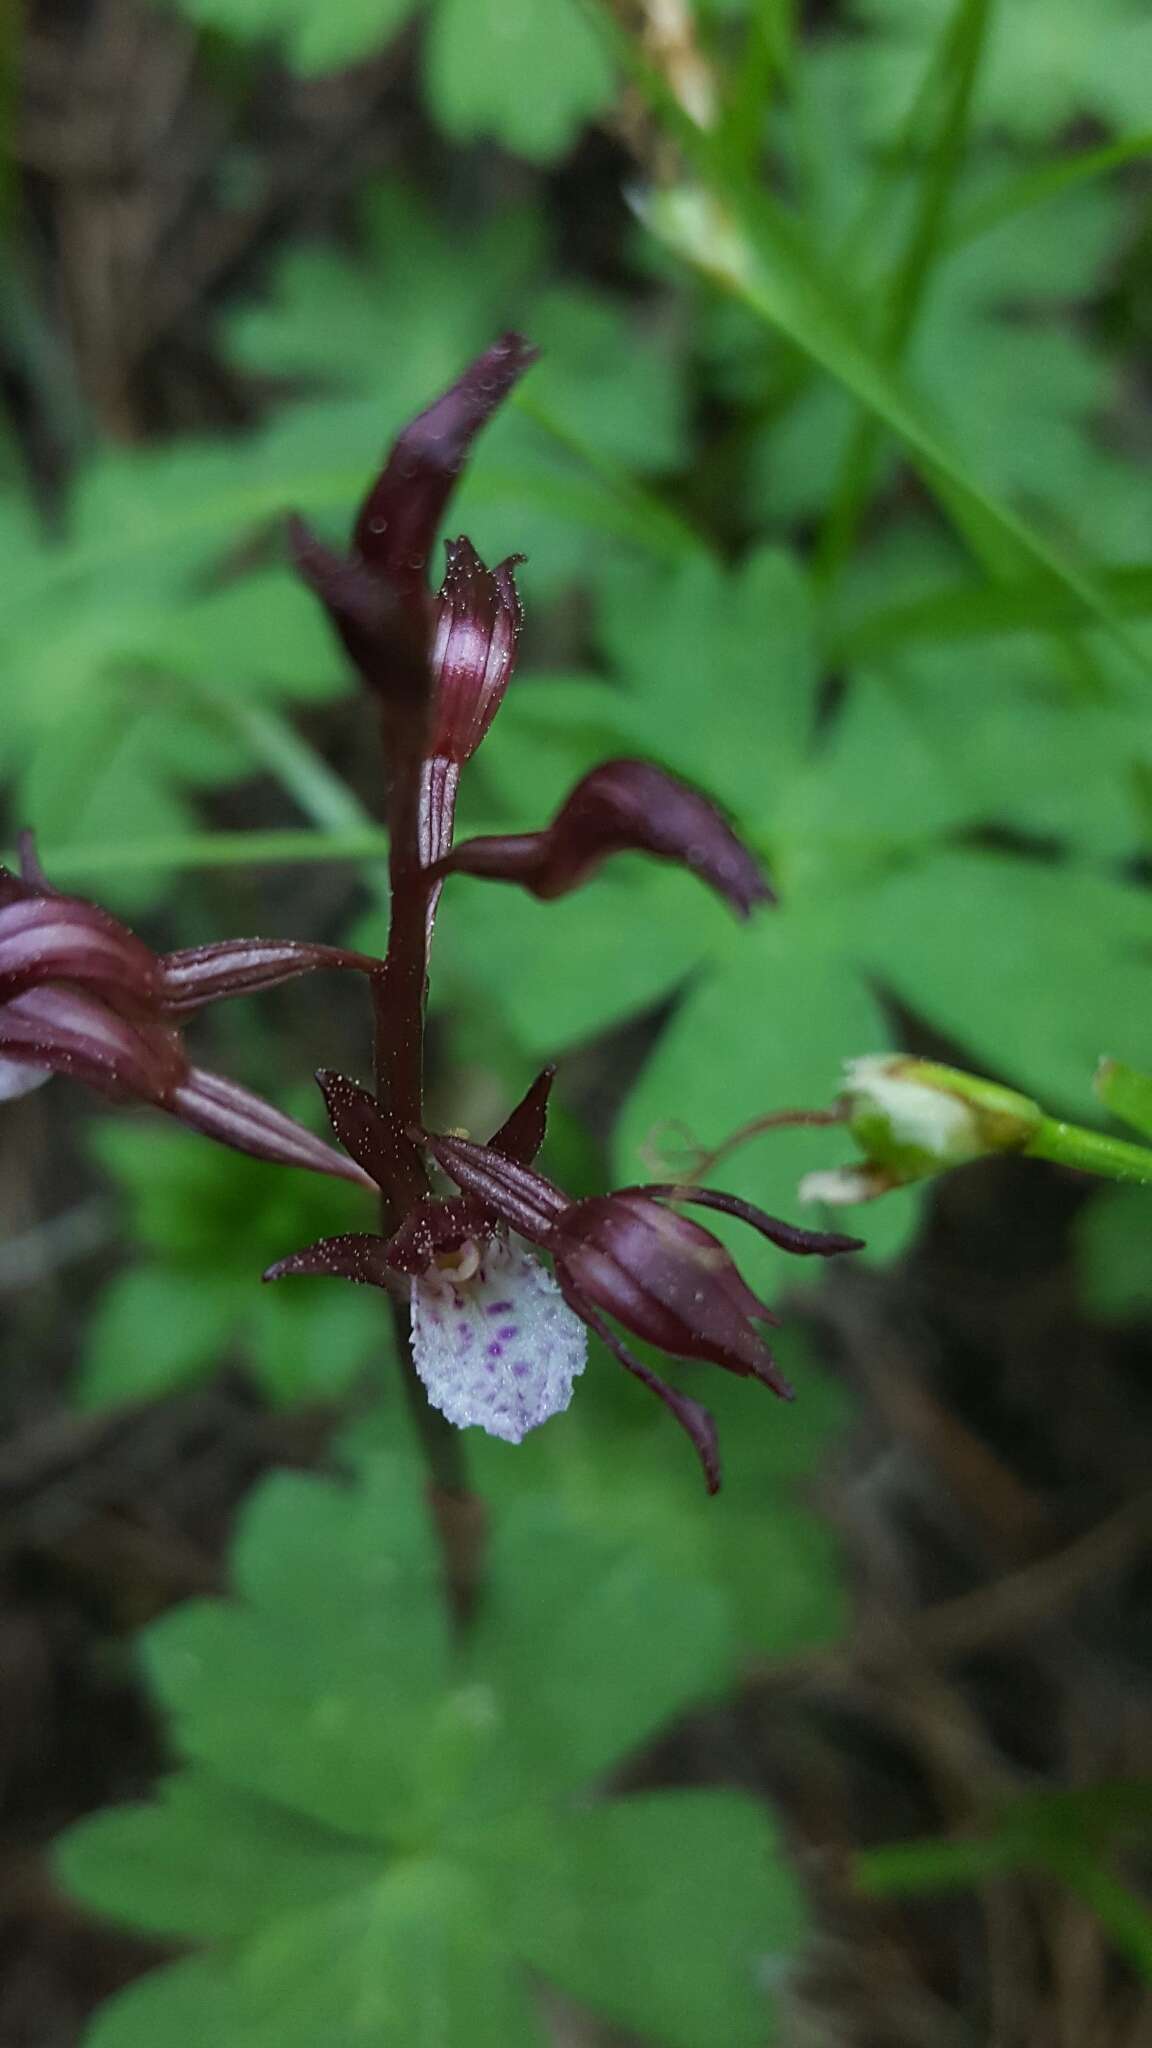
(498, 1338)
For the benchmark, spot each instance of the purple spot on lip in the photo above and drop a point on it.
(521, 1369)
(499, 1308)
(495, 1350)
(507, 1333)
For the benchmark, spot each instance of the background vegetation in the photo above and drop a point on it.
(833, 484)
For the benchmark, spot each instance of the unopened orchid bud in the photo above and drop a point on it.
(912, 1118)
(478, 620)
(377, 596)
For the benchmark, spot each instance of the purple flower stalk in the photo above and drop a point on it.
(498, 1338)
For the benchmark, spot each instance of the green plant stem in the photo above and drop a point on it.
(1048, 181)
(75, 864)
(963, 44)
(1091, 1151)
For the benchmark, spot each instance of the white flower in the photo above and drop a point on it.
(918, 1114)
(494, 1341)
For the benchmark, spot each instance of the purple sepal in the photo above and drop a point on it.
(790, 1237)
(377, 596)
(396, 524)
(223, 1110)
(531, 1204)
(70, 1031)
(694, 1419)
(620, 807)
(381, 637)
(46, 937)
(478, 621)
(668, 1281)
(357, 1255)
(358, 1121)
(522, 1133)
(240, 967)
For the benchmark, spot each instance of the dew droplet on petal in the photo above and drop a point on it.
(506, 1390)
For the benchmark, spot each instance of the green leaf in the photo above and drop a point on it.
(721, 668)
(414, 1959)
(205, 1862)
(615, 1468)
(1049, 62)
(529, 72)
(180, 2007)
(553, 1606)
(1030, 968)
(1042, 183)
(904, 1869)
(770, 268)
(347, 324)
(311, 1344)
(670, 1915)
(769, 1031)
(1113, 1246)
(328, 1706)
(317, 37)
(1127, 1092)
(368, 1848)
(598, 956)
(154, 1329)
(980, 611)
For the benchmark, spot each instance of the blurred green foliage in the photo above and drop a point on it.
(209, 1222)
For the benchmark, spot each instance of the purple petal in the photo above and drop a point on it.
(478, 621)
(385, 642)
(51, 938)
(693, 1417)
(359, 1122)
(520, 1197)
(233, 1116)
(500, 1350)
(522, 1133)
(790, 1237)
(357, 1255)
(66, 1031)
(396, 525)
(240, 967)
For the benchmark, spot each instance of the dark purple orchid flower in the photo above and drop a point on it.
(80, 994)
(498, 1337)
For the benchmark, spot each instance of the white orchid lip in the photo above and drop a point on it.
(494, 1342)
